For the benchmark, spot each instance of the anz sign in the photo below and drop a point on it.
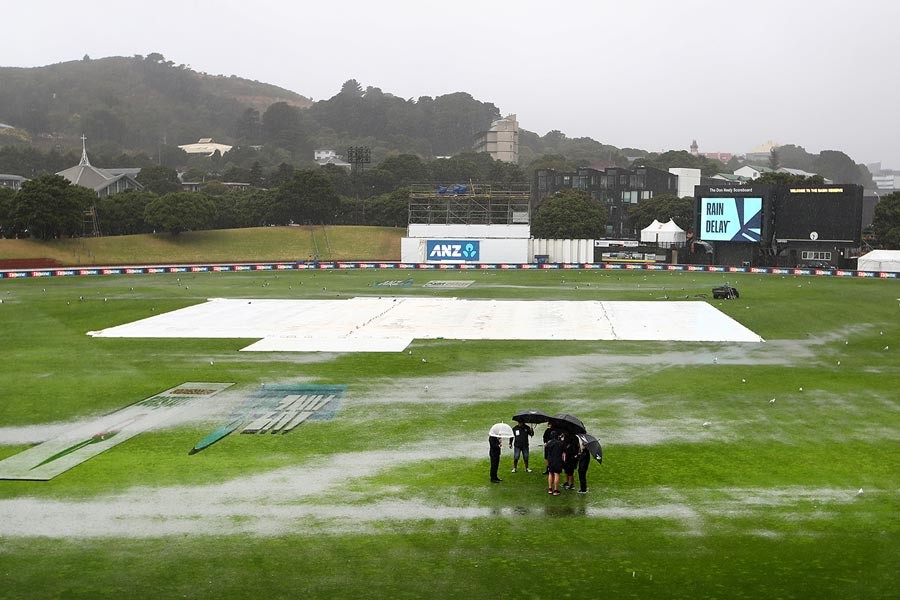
(452, 250)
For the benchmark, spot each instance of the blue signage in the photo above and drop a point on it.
(452, 250)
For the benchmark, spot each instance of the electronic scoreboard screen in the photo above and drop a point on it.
(736, 219)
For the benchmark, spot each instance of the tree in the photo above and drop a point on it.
(389, 210)
(682, 159)
(307, 198)
(283, 126)
(774, 159)
(214, 188)
(256, 178)
(569, 214)
(159, 180)
(340, 178)
(236, 175)
(662, 208)
(123, 214)
(7, 197)
(181, 211)
(249, 127)
(407, 168)
(784, 179)
(373, 182)
(551, 161)
(283, 173)
(840, 168)
(50, 207)
(241, 208)
(886, 222)
(352, 88)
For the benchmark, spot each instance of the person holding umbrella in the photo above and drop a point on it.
(499, 430)
(521, 433)
(494, 452)
(584, 461)
(590, 447)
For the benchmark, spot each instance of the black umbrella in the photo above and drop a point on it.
(568, 423)
(531, 415)
(592, 446)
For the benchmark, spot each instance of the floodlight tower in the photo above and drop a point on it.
(358, 157)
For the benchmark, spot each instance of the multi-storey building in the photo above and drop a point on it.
(616, 188)
(501, 141)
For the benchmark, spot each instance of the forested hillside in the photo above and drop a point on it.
(136, 111)
(129, 103)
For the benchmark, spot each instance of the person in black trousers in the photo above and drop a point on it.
(549, 434)
(554, 449)
(571, 448)
(521, 433)
(584, 461)
(494, 450)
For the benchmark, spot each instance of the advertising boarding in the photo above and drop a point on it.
(452, 250)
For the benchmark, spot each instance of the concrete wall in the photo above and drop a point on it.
(562, 251)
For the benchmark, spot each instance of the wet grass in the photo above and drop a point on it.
(254, 244)
(770, 489)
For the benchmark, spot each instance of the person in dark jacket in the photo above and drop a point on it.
(554, 450)
(584, 461)
(519, 443)
(549, 434)
(571, 449)
(494, 451)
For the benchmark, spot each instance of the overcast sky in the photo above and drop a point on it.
(652, 74)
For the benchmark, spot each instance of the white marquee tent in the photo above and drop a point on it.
(663, 233)
(880, 260)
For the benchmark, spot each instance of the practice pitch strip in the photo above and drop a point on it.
(390, 324)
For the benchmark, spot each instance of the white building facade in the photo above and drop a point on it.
(501, 141)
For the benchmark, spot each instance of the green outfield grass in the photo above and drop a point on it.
(225, 245)
(762, 502)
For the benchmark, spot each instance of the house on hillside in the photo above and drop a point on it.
(12, 182)
(330, 157)
(206, 147)
(104, 182)
(752, 171)
(801, 173)
(730, 177)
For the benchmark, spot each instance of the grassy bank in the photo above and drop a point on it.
(230, 245)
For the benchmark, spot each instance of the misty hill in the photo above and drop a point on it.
(129, 102)
(134, 104)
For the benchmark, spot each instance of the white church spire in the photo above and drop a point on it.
(84, 159)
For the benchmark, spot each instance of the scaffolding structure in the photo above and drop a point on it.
(470, 204)
(90, 224)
